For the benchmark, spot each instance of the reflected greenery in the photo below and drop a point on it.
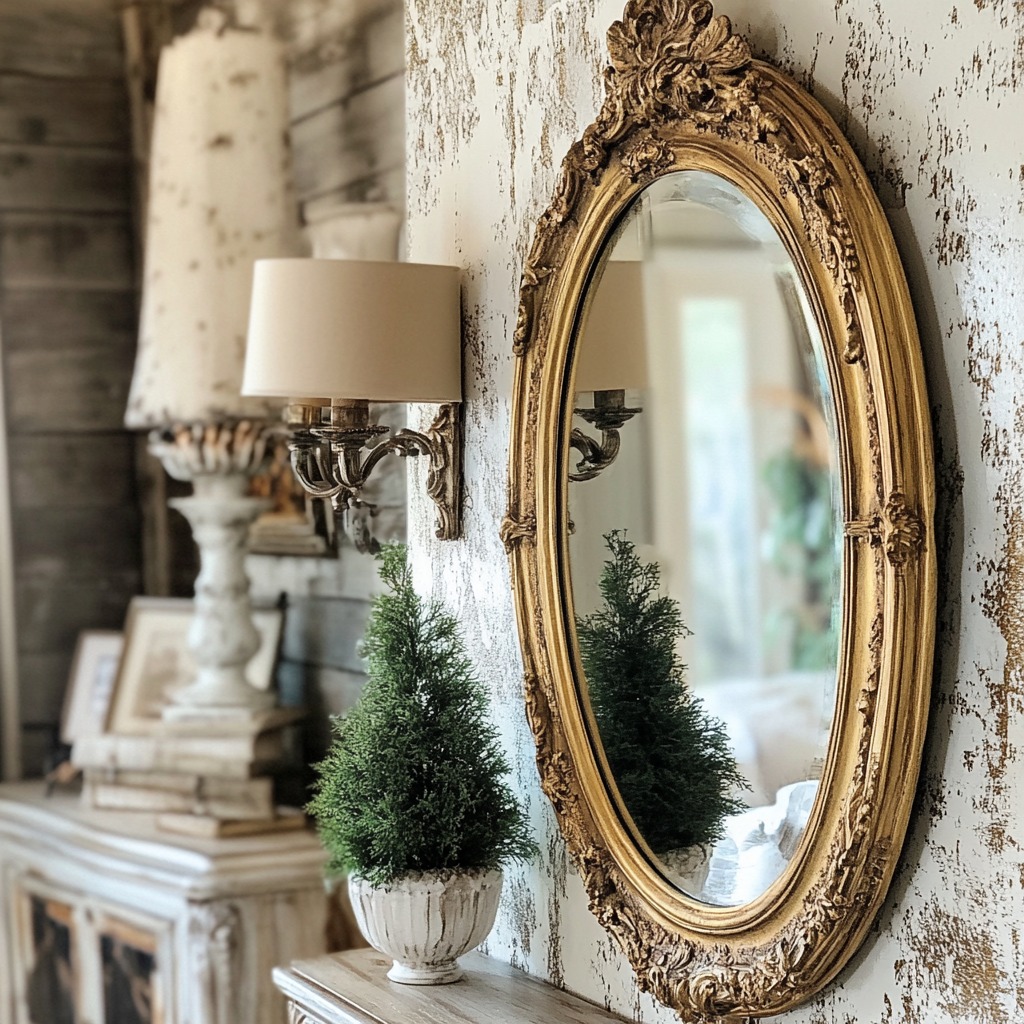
(800, 541)
(671, 760)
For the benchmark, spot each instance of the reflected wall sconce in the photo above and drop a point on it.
(612, 359)
(357, 332)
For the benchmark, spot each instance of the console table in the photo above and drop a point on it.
(105, 918)
(352, 988)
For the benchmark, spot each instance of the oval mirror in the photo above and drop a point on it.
(720, 522)
(704, 556)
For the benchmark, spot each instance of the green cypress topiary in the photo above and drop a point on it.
(671, 760)
(414, 779)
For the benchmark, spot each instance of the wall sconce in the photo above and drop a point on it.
(359, 331)
(612, 358)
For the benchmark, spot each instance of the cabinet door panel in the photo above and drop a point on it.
(76, 959)
(46, 985)
(135, 967)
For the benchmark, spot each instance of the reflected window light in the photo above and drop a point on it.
(723, 522)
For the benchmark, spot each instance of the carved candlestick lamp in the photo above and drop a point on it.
(612, 359)
(219, 198)
(360, 331)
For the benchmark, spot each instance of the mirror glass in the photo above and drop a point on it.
(704, 538)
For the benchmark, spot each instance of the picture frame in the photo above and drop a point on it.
(90, 687)
(156, 660)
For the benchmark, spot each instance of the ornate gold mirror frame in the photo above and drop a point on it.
(683, 92)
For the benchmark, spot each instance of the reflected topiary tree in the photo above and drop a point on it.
(670, 759)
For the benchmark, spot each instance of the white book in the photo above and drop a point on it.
(235, 799)
(206, 826)
(239, 756)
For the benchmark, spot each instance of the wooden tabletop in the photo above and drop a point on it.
(352, 988)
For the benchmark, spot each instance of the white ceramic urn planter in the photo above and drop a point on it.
(424, 921)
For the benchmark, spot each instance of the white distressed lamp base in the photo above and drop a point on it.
(222, 637)
(218, 458)
(223, 701)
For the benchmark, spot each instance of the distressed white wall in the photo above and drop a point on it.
(929, 94)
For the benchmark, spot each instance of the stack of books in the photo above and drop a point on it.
(205, 776)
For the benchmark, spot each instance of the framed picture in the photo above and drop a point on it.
(156, 660)
(91, 684)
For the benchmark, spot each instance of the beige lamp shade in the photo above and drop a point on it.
(387, 332)
(613, 352)
(220, 197)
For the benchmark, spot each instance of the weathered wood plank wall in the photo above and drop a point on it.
(347, 60)
(68, 263)
(68, 311)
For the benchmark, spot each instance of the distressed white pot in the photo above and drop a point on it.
(424, 921)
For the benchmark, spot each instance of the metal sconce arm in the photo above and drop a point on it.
(608, 415)
(330, 463)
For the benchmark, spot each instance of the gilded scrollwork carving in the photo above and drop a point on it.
(516, 530)
(533, 276)
(897, 527)
(683, 91)
(647, 156)
(672, 56)
(904, 532)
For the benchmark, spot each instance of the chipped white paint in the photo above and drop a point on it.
(928, 94)
(426, 920)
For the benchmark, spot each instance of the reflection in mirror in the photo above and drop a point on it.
(704, 542)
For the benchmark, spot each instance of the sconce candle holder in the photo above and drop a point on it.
(609, 414)
(330, 463)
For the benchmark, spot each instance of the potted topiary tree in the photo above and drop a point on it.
(411, 800)
(671, 760)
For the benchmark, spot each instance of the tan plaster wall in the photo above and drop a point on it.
(929, 93)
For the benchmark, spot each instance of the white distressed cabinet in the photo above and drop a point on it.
(352, 988)
(106, 920)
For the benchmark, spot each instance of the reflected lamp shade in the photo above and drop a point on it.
(613, 353)
(353, 329)
(220, 197)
